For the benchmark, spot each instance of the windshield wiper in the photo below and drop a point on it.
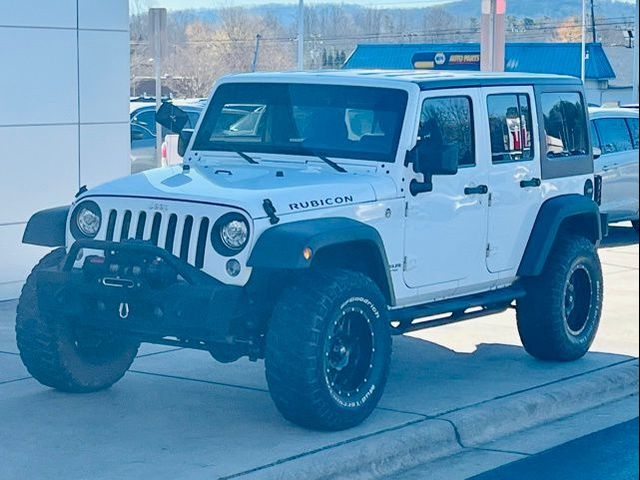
(246, 157)
(331, 163)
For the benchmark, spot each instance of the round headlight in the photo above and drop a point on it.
(230, 234)
(235, 234)
(86, 220)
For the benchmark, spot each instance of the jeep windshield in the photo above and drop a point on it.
(352, 122)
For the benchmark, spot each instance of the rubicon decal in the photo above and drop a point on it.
(323, 202)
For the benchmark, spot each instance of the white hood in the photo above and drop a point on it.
(291, 188)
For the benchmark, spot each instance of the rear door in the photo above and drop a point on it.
(515, 193)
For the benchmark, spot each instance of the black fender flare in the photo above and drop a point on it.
(555, 214)
(47, 228)
(282, 246)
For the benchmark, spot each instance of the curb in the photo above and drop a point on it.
(424, 440)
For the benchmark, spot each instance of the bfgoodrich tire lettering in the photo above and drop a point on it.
(56, 355)
(559, 317)
(328, 350)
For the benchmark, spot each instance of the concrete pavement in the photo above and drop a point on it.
(179, 414)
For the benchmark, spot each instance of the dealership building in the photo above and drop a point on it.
(65, 112)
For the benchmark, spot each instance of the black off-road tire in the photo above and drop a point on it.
(50, 349)
(556, 320)
(304, 350)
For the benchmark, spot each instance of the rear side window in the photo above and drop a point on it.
(565, 125)
(510, 127)
(447, 121)
(614, 135)
(633, 128)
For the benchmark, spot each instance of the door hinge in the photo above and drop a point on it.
(404, 264)
(488, 251)
(490, 199)
(406, 209)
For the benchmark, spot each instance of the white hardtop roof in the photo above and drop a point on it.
(424, 78)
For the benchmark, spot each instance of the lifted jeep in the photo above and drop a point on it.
(314, 216)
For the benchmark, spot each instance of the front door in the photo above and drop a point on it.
(515, 183)
(446, 228)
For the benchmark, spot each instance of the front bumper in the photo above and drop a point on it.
(141, 289)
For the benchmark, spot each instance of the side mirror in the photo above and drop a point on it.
(429, 161)
(184, 138)
(597, 153)
(171, 117)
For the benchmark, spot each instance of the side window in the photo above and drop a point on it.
(632, 123)
(593, 133)
(510, 127)
(139, 133)
(193, 119)
(614, 135)
(565, 125)
(447, 121)
(146, 118)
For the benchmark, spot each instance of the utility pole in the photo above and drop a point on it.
(301, 35)
(254, 65)
(492, 35)
(635, 58)
(594, 35)
(158, 36)
(583, 44)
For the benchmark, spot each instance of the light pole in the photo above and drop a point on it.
(635, 58)
(301, 35)
(583, 46)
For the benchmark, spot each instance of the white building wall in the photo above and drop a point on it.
(64, 80)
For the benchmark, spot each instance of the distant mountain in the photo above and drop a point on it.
(555, 9)
(546, 8)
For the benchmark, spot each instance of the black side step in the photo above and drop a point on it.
(454, 310)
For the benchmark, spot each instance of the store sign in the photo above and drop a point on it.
(446, 61)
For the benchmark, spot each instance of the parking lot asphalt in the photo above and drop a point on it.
(179, 414)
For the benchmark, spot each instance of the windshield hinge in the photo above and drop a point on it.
(270, 210)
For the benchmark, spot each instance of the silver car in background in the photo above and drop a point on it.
(614, 131)
(142, 115)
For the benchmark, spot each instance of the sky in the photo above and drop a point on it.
(185, 4)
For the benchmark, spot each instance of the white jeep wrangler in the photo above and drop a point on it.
(317, 214)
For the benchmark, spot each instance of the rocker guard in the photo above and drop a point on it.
(195, 308)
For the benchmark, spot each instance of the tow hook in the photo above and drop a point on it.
(123, 310)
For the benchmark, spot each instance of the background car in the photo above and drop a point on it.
(142, 114)
(614, 131)
(143, 149)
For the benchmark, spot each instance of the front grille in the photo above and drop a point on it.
(183, 236)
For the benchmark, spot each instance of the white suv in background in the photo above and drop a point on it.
(615, 132)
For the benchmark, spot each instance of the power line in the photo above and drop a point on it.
(536, 29)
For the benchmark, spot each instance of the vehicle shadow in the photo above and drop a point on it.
(620, 236)
(431, 379)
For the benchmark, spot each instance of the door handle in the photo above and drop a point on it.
(534, 182)
(479, 190)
